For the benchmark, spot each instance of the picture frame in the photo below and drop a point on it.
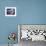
(10, 11)
(36, 32)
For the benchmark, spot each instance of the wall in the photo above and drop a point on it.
(28, 12)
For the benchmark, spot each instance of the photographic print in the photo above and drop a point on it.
(10, 11)
(32, 32)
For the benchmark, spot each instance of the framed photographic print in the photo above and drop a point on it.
(10, 11)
